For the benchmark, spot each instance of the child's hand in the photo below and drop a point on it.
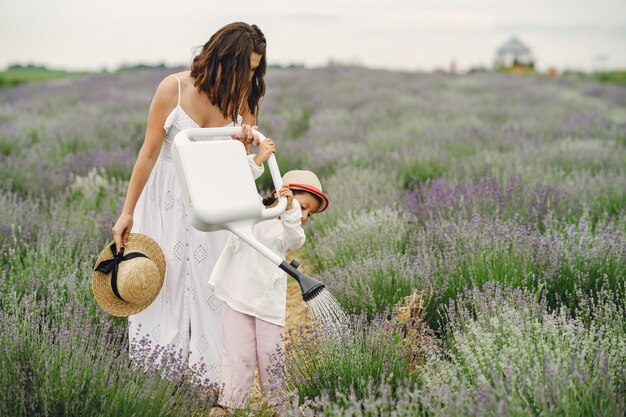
(286, 192)
(266, 149)
(247, 136)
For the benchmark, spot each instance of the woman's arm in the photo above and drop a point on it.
(164, 101)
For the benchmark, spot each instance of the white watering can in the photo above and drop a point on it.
(220, 193)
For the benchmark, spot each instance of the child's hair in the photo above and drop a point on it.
(270, 199)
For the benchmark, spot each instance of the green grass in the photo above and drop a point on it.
(579, 267)
(359, 357)
(421, 170)
(610, 77)
(8, 146)
(15, 77)
(616, 77)
(297, 122)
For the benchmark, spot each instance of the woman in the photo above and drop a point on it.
(222, 88)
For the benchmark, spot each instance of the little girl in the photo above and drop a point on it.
(254, 290)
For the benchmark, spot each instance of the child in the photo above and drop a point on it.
(254, 290)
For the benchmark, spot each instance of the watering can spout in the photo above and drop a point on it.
(310, 287)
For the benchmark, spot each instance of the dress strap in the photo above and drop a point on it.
(177, 79)
(175, 111)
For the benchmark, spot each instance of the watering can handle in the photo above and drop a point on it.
(207, 132)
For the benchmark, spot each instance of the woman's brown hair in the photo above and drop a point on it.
(222, 69)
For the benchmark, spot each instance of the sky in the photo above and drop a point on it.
(408, 35)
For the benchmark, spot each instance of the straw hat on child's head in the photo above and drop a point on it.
(306, 181)
(127, 282)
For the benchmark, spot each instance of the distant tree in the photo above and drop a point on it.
(288, 66)
(141, 66)
(27, 67)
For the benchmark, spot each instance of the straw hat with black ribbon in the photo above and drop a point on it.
(126, 283)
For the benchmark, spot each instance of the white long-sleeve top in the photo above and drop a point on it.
(257, 170)
(250, 283)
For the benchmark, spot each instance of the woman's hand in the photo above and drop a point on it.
(265, 150)
(247, 136)
(121, 230)
(286, 192)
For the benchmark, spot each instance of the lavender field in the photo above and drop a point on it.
(476, 233)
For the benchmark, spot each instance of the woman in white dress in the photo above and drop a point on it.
(222, 88)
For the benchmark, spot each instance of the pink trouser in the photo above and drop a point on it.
(246, 342)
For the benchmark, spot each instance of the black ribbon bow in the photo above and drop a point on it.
(110, 266)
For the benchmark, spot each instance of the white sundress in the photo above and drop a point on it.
(185, 315)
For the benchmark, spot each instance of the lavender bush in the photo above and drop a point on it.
(359, 234)
(563, 264)
(508, 356)
(70, 126)
(445, 199)
(379, 400)
(450, 255)
(56, 257)
(356, 189)
(600, 198)
(68, 364)
(437, 182)
(352, 359)
(376, 280)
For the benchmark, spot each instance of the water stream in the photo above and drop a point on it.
(327, 314)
